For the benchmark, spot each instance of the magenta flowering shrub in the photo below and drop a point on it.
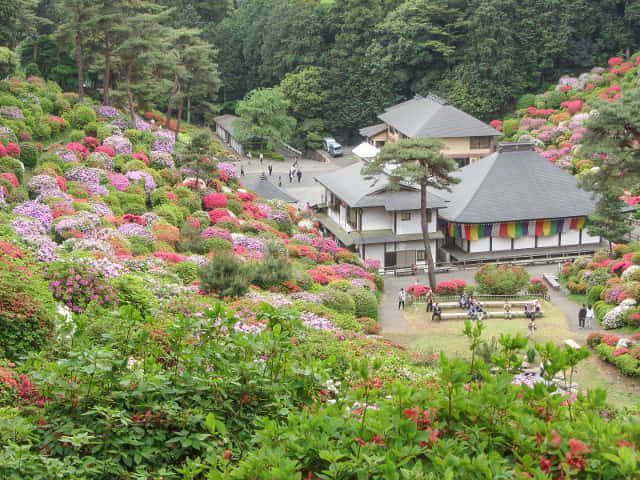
(372, 264)
(37, 210)
(77, 285)
(348, 270)
(27, 227)
(325, 245)
(613, 294)
(119, 182)
(214, 232)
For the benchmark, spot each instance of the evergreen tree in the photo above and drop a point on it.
(74, 30)
(419, 162)
(609, 221)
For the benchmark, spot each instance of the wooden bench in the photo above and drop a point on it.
(499, 314)
(552, 280)
(489, 303)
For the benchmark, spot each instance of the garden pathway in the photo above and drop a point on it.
(393, 322)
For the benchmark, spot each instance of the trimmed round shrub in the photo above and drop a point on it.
(218, 245)
(225, 275)
(339, 301)
(525, 101)
(510, 127)
(270, 272)
(187, 271)
(365, 301)
(594, 293)
(303, 279)
(501, 279)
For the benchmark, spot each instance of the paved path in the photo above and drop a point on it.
(307, 190)
(393, 322)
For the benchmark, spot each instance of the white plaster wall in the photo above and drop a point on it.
(501, 244)
(409, 226)
(548, 241)
(480, 245)
(586, 238)
(527, 241)
(376, 219)
(375, 251)
(414, 245)
(461, 243)
(571, 237)
(334, 215)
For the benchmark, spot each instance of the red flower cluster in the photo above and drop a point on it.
(11, 177)
(130, 218)
(106, 149)
(142, 157)
(78, 147)
(540, 112)
(572, 106)
(418, 290)
(215, 200)
(169, 257)
(451, 287)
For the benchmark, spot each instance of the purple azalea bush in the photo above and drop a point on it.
(107, 111)
(149, 183)
(37, 210)
(119, 182)
(118, 143)
(162, 159)
(214, 232)
(228, 168)
(135, 230)
(250, 243)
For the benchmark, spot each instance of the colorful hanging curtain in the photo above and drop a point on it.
(504, 230)
(539, 228)
(553, 228)
(452, 229)
(519, 229)
(487, 230)
(546, 227)
(467, 232)
(511, 229)
(474, 232)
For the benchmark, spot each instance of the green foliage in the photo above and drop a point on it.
(339, 301)
(8, 62)
(497, 279)
(270, 272)
(140, 245)
(132, 291)
(28, 154)
(510, 127)
(365, 301)
(27, 310)
(171, 213)
(83, 114)
(263, 115)
(525, 101)
(224, 275)
(187, 271)
(594, 293)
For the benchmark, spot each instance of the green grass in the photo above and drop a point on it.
(426, 337)
(579, 299)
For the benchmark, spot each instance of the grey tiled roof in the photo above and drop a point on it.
(356, 191)
(266, 190)
(421, 117)
(226, 122)
(515, 185)
(372, 130)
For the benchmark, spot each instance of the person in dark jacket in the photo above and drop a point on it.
(582, 315)
(437, 312)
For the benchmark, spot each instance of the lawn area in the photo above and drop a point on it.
(432, 337)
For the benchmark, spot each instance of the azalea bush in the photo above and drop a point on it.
(497, 279)
(451, 287)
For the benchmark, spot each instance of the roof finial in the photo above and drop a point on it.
(516, 147)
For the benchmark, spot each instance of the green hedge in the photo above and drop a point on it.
(626, 363)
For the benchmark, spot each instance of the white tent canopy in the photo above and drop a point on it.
(366, 150)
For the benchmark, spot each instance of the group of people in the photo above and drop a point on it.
(436, 310)
(585, 316)
(474, 307)
(294, 170)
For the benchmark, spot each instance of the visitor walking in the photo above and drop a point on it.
(401, 298)
(507, 310)
(270, 167)
(582, 315)
(261, 158)
(249, 157)
(279, 180)
(532, 327)
(589, 316)
(242, 170)
(299, 173)
(437, 312)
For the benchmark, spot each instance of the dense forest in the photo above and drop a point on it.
(339, 62)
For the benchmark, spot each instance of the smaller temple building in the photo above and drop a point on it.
(515, 202)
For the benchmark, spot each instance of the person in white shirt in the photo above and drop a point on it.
(401, 298)
(590, 315)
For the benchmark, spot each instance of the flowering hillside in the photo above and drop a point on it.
(555, 120)
(159, 321)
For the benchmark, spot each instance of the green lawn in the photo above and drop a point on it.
(432, 337)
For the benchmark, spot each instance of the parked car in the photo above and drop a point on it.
(330, 145)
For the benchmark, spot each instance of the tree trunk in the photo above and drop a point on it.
(107, 67)
(129, 95)
(189, 108)
(35, 47)
(172, 94)
(79, 65)
(179, 118)
(425, 235)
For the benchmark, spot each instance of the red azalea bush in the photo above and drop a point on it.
(215, 200)
(620, 351)
(324, 275)
(451, 287)
(169, 257)
(299, 251)
(142, 157)
(246, 196)
(537, 286)
(418, 290)
(611, 339)
(91, 142)
(11, 177)
(595, 338)
(13, 149)
(106, 149)
(619, 267)
(130, 218)
(193, 222)
(78, 147)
